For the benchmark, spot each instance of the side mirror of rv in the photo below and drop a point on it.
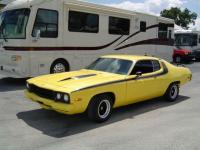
(37, 35)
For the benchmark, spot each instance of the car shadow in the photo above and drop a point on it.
(12, 84)
(57, 125)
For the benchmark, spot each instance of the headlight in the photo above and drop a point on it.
(28, 86)
(61, 97)
(58, 96)
(66, 98)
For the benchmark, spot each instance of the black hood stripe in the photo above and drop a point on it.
(164, 72)
(78, 77)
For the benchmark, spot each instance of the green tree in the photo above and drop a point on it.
(182, 17)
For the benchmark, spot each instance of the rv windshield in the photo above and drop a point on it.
(13, 23)
(189, 39)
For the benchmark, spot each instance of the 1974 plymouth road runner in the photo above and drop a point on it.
(111, 81)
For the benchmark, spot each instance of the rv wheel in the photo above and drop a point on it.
(59, 66)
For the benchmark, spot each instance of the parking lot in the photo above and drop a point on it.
(152, 125)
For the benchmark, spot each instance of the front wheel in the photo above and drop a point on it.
(100, 108)
(59, 66)
(172, 92)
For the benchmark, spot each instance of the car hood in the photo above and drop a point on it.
(76, 80)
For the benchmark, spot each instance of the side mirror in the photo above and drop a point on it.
(37, 35)
(139, 73)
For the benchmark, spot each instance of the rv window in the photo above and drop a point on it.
(163, 31)
(170, 34)
(186, 39)
(119, 26)
(143, 26)
(13, 23)
(83, 22)
(47, 22)
(199, 39)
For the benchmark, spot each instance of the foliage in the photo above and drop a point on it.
(182, 17)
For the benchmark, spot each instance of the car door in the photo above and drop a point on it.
(147, 84)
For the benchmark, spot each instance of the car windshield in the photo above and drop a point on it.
(186, 39)
(13, 23)
(111, 65)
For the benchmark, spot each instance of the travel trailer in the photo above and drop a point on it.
(51, 36)
(188, 40)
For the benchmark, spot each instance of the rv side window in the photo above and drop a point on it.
(143, 26)
(47, 22)
(83, 22)
(170, 34)
(199, 38)
(119, 26)
(163, 31)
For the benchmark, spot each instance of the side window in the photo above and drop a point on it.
(162, 31)
(143, 26)
(144, 66)
(156, 65)
(194, 39)
(83, 22)
(199, 38)
(47, 22)
(170, 34)
(120, 26)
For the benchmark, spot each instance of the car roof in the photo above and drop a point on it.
(131, 57)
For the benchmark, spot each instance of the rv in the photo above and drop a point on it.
(51, 36)
(187, 41)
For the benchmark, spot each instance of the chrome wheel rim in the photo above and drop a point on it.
(174, 92)
(58, 68)
(104, 109)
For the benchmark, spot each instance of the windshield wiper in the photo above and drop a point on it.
(3, 36)
(1, 33)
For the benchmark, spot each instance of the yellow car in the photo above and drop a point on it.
(109, 82)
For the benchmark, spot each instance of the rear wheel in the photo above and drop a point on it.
(59, 66)
(100, 108)
(172, 92)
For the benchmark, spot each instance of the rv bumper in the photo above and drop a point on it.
(9, 72)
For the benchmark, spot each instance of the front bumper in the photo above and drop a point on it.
(189, 57)
(68, 109)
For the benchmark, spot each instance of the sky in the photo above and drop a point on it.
(154, 6)
(151, 6)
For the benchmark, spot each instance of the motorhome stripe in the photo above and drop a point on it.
(11, 48)
(144, 42)
(147, 28)
(164, 72)
(149, 42)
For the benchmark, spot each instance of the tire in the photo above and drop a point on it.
(100, 108)
(178, 59)
(59, 66)
(172, 92)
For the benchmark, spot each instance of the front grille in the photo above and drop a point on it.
(41, 92)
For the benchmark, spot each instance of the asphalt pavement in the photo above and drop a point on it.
(150, 125)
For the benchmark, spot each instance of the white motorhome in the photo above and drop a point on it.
(187, 39)
(49, 36)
